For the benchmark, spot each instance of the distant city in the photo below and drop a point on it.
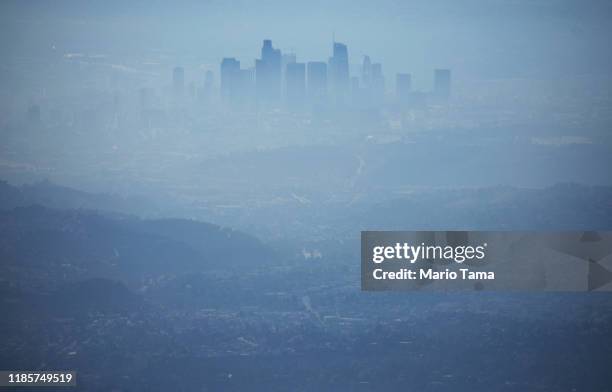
(278, 80)
(184, 187)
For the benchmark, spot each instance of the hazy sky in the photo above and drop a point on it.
(476, 38)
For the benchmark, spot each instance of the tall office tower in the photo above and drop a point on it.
(403, 86)
(378, 83)
(317, 81)
(442, 83)
(230, 67)
(178, 80)
(205, 92)
(242, 88)
(295, 84)
(366, 71)
(268, 74)
(286, 58)
(339, 72)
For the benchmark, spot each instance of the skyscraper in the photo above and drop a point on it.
(242, 88)
(205, 93)
(295, 84)
(237, 84)
(268, 74)
(230, 67)
(366, 71)
(317, 81)
(378, 83)
(339, 72)
(373, 82)
(287, 58)
(442, 83)
(178, 80)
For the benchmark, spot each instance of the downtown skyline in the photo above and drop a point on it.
(278, 77)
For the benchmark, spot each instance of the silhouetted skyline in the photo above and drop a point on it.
(277, 77)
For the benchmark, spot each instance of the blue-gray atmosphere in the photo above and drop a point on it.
(183, 188)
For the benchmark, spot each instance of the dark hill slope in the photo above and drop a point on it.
(42, 247)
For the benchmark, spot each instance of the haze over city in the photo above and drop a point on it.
(183, 187)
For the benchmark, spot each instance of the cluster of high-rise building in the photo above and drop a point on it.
(278, 79)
